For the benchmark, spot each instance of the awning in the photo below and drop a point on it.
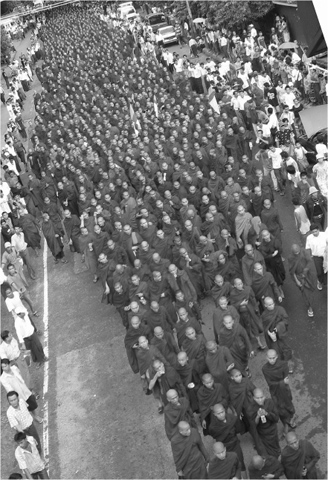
(314, 119)
(312, 29)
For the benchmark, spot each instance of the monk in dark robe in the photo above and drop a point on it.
(135, 330)
(190, 378)
(73, 231)
(177, 410)
(87, 252)
(99, 240)
(243, 299)
(53, 240)
(271, 249)
(264, 285)
(261, 467)
(275, 325)
(224, 428)
(161, 378)
(157, 316)
(224, 464)
(241, 395)
(52, 209)
(275, 372)
(30, 229)
(189, 454)
(209, 394)
(146, 354)
(226, 267)
(180, 281)
(236, 339)
(166, 344)
(271, 218)
(183, 323)
(223, 309)
(302, 272)
(219, 361)
(220, 289)
(299, 458)
(119, 297)
(264, 417)
(190, 263)
(159, 290)
(194, 346)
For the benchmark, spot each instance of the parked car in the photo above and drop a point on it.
(314, 120)
(156, 21)
(168, 35)
(310, 143)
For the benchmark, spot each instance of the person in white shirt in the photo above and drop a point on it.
(210, 64)
(18, 241)
(289, 98)
(253, 31)
(321, 148)
(244, 77)
(28, 457)
(193, 48)
(27, 336)
(12, 380)
(20, 418)
(274, 154)
(301, 219)
(9, 348)
(316, 243)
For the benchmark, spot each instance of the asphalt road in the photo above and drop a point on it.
(101, 425)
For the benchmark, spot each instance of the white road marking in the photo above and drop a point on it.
(46, 351)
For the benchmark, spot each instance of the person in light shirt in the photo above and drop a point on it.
(20, 418)
(316, 244)
(27, 336)
(28, 457)
(18, 242)
(9, 348)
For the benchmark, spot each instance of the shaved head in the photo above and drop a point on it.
(257, 462)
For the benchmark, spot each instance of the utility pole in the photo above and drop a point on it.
(190, 16)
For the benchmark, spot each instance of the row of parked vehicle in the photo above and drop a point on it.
(157, 21)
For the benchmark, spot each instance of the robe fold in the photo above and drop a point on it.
(268, 430)
(224, 469)
(173, 414)
(188, 456)
(217, 364)
(294, 460)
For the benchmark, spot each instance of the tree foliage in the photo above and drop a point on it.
(5, 45)
(233, 14)
(9, 6)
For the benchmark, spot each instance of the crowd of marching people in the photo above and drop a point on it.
(164, 176)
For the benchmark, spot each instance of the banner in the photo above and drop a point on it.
(212, 100)
(135, 121)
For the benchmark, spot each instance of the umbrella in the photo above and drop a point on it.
(199, 20)
(287, 46)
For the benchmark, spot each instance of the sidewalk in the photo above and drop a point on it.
(28, 114)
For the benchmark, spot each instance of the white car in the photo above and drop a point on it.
(168, 34)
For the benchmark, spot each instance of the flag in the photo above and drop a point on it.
(212, 99)
(135, 121)
(155, 106)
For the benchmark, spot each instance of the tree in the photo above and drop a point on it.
(5, 46)
(233, 14)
